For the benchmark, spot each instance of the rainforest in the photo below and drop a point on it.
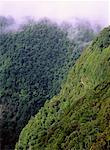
(54, 85)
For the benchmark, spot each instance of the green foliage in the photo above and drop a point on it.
(78, 117)
(34, 62)
(102, 41)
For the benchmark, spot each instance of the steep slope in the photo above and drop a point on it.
(33, 63)
(79, 117)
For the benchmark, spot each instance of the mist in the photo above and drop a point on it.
(96, 12)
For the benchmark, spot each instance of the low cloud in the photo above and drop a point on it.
(94, 11)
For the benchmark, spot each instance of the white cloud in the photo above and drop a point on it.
(59, 10)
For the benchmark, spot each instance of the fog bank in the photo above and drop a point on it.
(94, 11)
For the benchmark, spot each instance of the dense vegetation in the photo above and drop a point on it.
(79, 117)
(33, 63)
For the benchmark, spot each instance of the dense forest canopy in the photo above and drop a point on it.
(78, 118)
(34, 61)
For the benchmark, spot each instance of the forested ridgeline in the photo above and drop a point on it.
(78, 118)
(34, 62)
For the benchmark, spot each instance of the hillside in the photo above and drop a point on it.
(34, 62)
(78, 118)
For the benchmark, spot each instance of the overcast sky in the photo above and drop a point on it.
(97, 11)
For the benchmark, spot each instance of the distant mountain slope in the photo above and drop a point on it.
(79, 117)
(34, 62)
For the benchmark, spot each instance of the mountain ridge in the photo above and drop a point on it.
(78, 117)
(34, 61)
